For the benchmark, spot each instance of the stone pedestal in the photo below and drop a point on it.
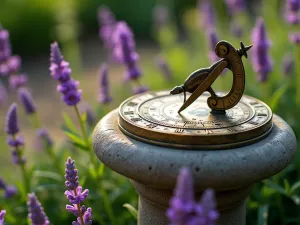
(153, 169)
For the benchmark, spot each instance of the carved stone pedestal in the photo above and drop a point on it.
(153, 169)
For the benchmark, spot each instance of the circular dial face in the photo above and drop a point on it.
(153, 117)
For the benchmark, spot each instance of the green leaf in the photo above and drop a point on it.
(277, 95)
(48, 175)
(287, 187)
(75, 138)
(49, 187)
(295, 186)
(263, 215)
(80, 146)
(69, 123)
(295, 199)
(275, 186)
(133, 211)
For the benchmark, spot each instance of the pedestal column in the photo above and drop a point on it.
(153, 169)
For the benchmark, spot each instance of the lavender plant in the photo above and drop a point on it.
(261, 60)
(76, 196)
(2, 214)
(183, 207)
(36, 213)
(16, 143)
(9, 190)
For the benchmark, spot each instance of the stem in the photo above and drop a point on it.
(22, 166)
(85, 137)
(107, 205)
(78, 208)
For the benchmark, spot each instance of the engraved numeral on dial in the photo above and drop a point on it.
(132, 104)
(128, 113)
(151, 125)
(179, 130)
(231, 129)
(135, 119)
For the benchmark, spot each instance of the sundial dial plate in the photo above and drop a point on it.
(153, 117)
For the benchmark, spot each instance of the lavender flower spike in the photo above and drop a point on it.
(292, 8)
(107, 23)
(182, 204)
(236, 6)
(36, 211)
(26, 100)
(61, 72)
(207, 15)
(76, 196)
(261, 61)
(12, 120)
(124, 50)
(5, 49)
(2, 214)
(104, 96)
(213, 40)
(71, 175)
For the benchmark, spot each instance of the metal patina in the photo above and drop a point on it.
(206, 120)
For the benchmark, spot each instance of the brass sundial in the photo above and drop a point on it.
(204, 120)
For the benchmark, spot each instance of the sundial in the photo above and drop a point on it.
(194, 116)
(229, 141)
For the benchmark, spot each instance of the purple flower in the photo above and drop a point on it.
(2, 214)
(5, 49)
(3, 95)
(61, 72)
(107, 23)
(71, 175)
(76, 196)
(292, 8)
(13, 64)
(213, 40)
(12, 120)
(10, 191)
(36, 213)
(2, 183)
(295, 38)
(26, 100)
(182, 204)
(17, 81)
(160, 15)
(236, 6)
(86, 218)
(45, 138)
(261, 61)
(90, 115)
(207, 15)
(288, 65)
(124, 51)
(140, 89)
(164, 67)
(104, 96)
(183, 208)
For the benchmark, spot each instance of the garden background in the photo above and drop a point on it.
(173, 38)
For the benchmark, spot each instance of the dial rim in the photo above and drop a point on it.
(192, 140)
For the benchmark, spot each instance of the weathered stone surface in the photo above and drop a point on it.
(230, 172)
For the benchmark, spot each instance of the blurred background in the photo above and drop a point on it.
(173, 38)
